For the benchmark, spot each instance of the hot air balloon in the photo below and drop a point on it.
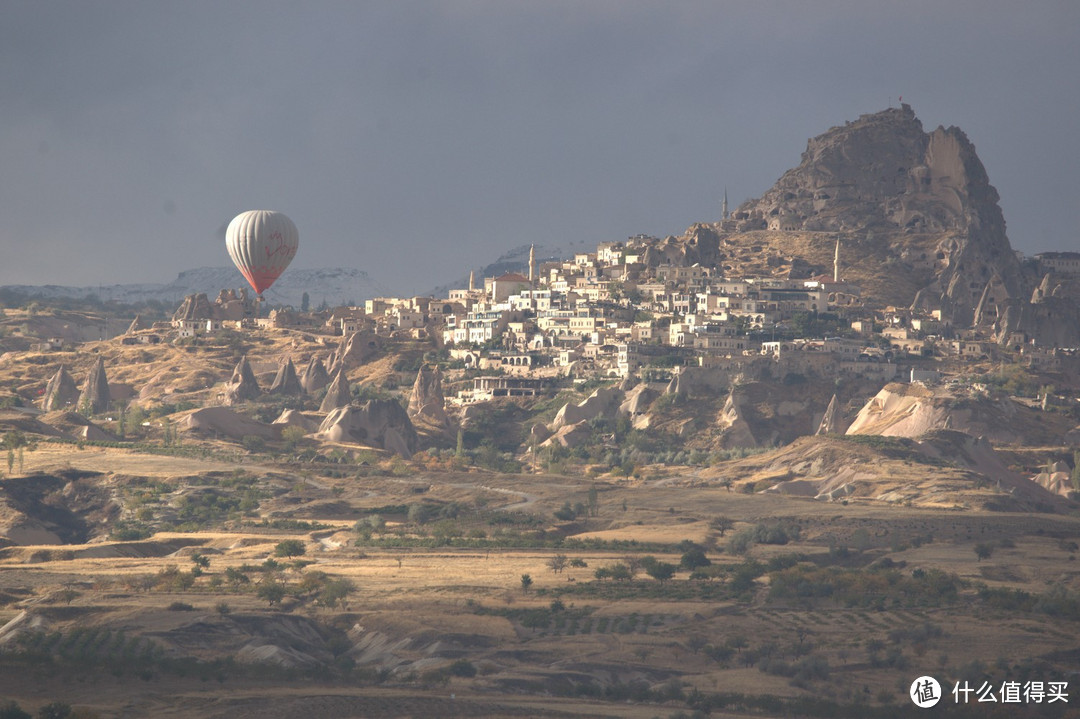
(262, 243)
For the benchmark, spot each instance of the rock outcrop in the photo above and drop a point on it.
(286, 382)
(194, 307)
(136, 325)
(570, 435)
(832, 422)
(295, 418)
(314, 377)
(427, 398)
(358, 349)
(74, 424)
(638, 399)
(604, 401)
(230, 305)
(381, 423)
(699, 246)
(60, 392)
(1050, 322)
(913, 203)
(219, 421)
(737, 431)
(95, 393)
(901, 410)
(338, 394)
(243, 386)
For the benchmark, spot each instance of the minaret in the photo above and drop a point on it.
(532, 264)
(723, 210)
(472, 280)
(836, 262)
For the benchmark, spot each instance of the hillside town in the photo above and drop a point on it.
(615, 312)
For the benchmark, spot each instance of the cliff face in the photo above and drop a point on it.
(919, 201)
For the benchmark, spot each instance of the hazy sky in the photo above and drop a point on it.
(417, 139)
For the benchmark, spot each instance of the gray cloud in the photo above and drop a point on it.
(416, 139)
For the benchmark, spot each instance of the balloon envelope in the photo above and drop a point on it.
(262, 243)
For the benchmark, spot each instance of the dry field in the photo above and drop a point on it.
(438, 623)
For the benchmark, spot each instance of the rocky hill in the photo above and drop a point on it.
(927, 194)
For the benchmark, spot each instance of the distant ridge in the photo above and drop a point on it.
(514, 260)
(334, 285)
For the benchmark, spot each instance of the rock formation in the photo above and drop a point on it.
(136, 325)
(95, 393)
(378, 423)
(194, 307)
(737, 432)
(700, 245)
(358, 349)
(903, 410)
(75, 425)
(229, 305)
(314, 377)
(219, 421)
(916, 205)
(604, 401)
(638, 399)
(60, 391)
(570, 435)
(286, 382)
(243, 386)
(427, 398)
(832, 422)
(295, 418)
(1050, 322)
(338, 394)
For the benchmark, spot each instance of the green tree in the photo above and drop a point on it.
(593, 502)
(121, 422)
(290, 548)
(292, 436)
(526, 582)
(335, 591)
(722, 524)
(558, 563)
(305, 302)
(694, 558)
(16, 442)
(661, 571)
(271, 590)
(984, 550)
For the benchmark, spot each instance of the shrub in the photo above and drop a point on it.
(463, 668)
(253, 443)
(11, 710)
(55, 710)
